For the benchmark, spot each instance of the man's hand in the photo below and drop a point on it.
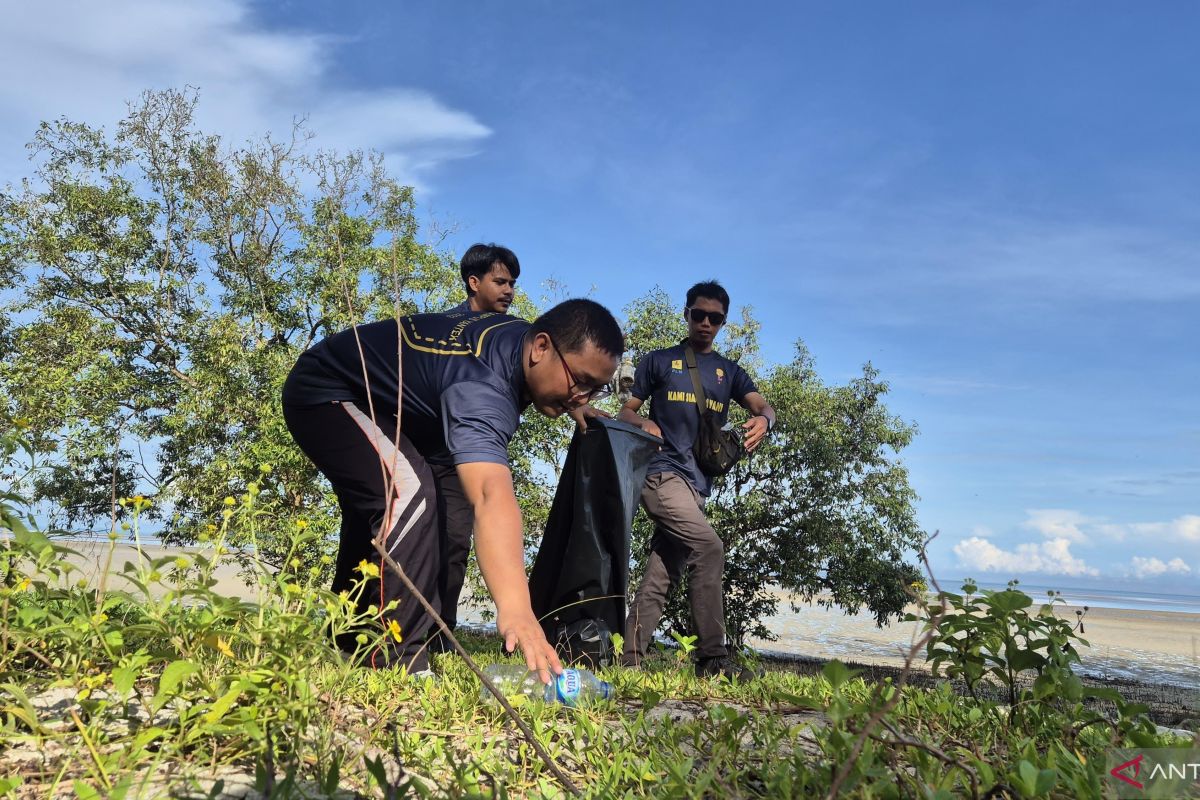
(629, 415)
(650, 427)
(523, 630)
(756, 428)
(585, 412)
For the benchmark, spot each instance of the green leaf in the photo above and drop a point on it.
(123, 679)
(1029, 778)
(10, 783)
(145, 737)
(837, 673)
(25, 712)
(1021, 660)
(650, 699)
(1008, 601)
(85, 792)
(224, 702)
(378, 771)
(1045, 781)
(170, 681)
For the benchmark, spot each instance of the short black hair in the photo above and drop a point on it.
(710, 289)
(479, 258)
(574, 323)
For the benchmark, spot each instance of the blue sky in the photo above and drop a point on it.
(994, 203)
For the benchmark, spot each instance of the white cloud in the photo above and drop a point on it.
(84, 61)
(1183, 530)
(1052, 557)
(1151, 567)
(1057, 523)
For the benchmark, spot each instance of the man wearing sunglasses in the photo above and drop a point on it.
(374, 406)
(676, 488)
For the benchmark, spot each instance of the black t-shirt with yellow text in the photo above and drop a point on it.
(662, 378)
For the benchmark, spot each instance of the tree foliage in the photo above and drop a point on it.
(157, 284)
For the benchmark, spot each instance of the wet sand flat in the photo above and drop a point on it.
(1124, 643)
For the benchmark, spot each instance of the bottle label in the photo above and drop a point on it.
(568, 686)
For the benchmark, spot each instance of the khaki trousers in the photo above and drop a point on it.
(683, 540)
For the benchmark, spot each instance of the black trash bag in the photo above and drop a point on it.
(581, 573)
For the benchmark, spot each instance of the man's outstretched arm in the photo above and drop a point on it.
(499, 546)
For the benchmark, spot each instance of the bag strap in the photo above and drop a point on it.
(698, 389)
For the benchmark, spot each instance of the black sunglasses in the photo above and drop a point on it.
(715, 317)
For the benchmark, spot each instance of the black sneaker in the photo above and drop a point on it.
(725, 667)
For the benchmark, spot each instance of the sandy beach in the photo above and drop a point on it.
(1140, 645)
(1149, 646)
(93, 555)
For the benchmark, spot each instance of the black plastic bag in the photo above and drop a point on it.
(581, 573)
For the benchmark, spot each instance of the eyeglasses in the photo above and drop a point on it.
(698, 315)
(578, 390)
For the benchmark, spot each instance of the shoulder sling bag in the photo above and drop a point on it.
(716, 449)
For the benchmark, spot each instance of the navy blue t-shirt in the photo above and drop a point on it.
(662, 378)
(463, 381)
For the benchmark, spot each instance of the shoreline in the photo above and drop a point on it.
(1123, 644)
(1143, 646)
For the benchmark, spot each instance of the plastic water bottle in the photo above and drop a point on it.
(572, 687)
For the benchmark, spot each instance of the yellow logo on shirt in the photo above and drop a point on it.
(677, 364)
(720, 375)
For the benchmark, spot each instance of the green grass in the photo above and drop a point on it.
(155, 685)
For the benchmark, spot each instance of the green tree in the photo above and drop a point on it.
(823, 509)
(158, 284)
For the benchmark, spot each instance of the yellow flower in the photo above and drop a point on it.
(393, 628)
(24, 584)
(219, 644)
(368, 569)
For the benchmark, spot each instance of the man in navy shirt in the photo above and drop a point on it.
(676, 488)
(375, 405)
(489, 274)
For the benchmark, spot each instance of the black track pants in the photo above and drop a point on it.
(382, 483)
